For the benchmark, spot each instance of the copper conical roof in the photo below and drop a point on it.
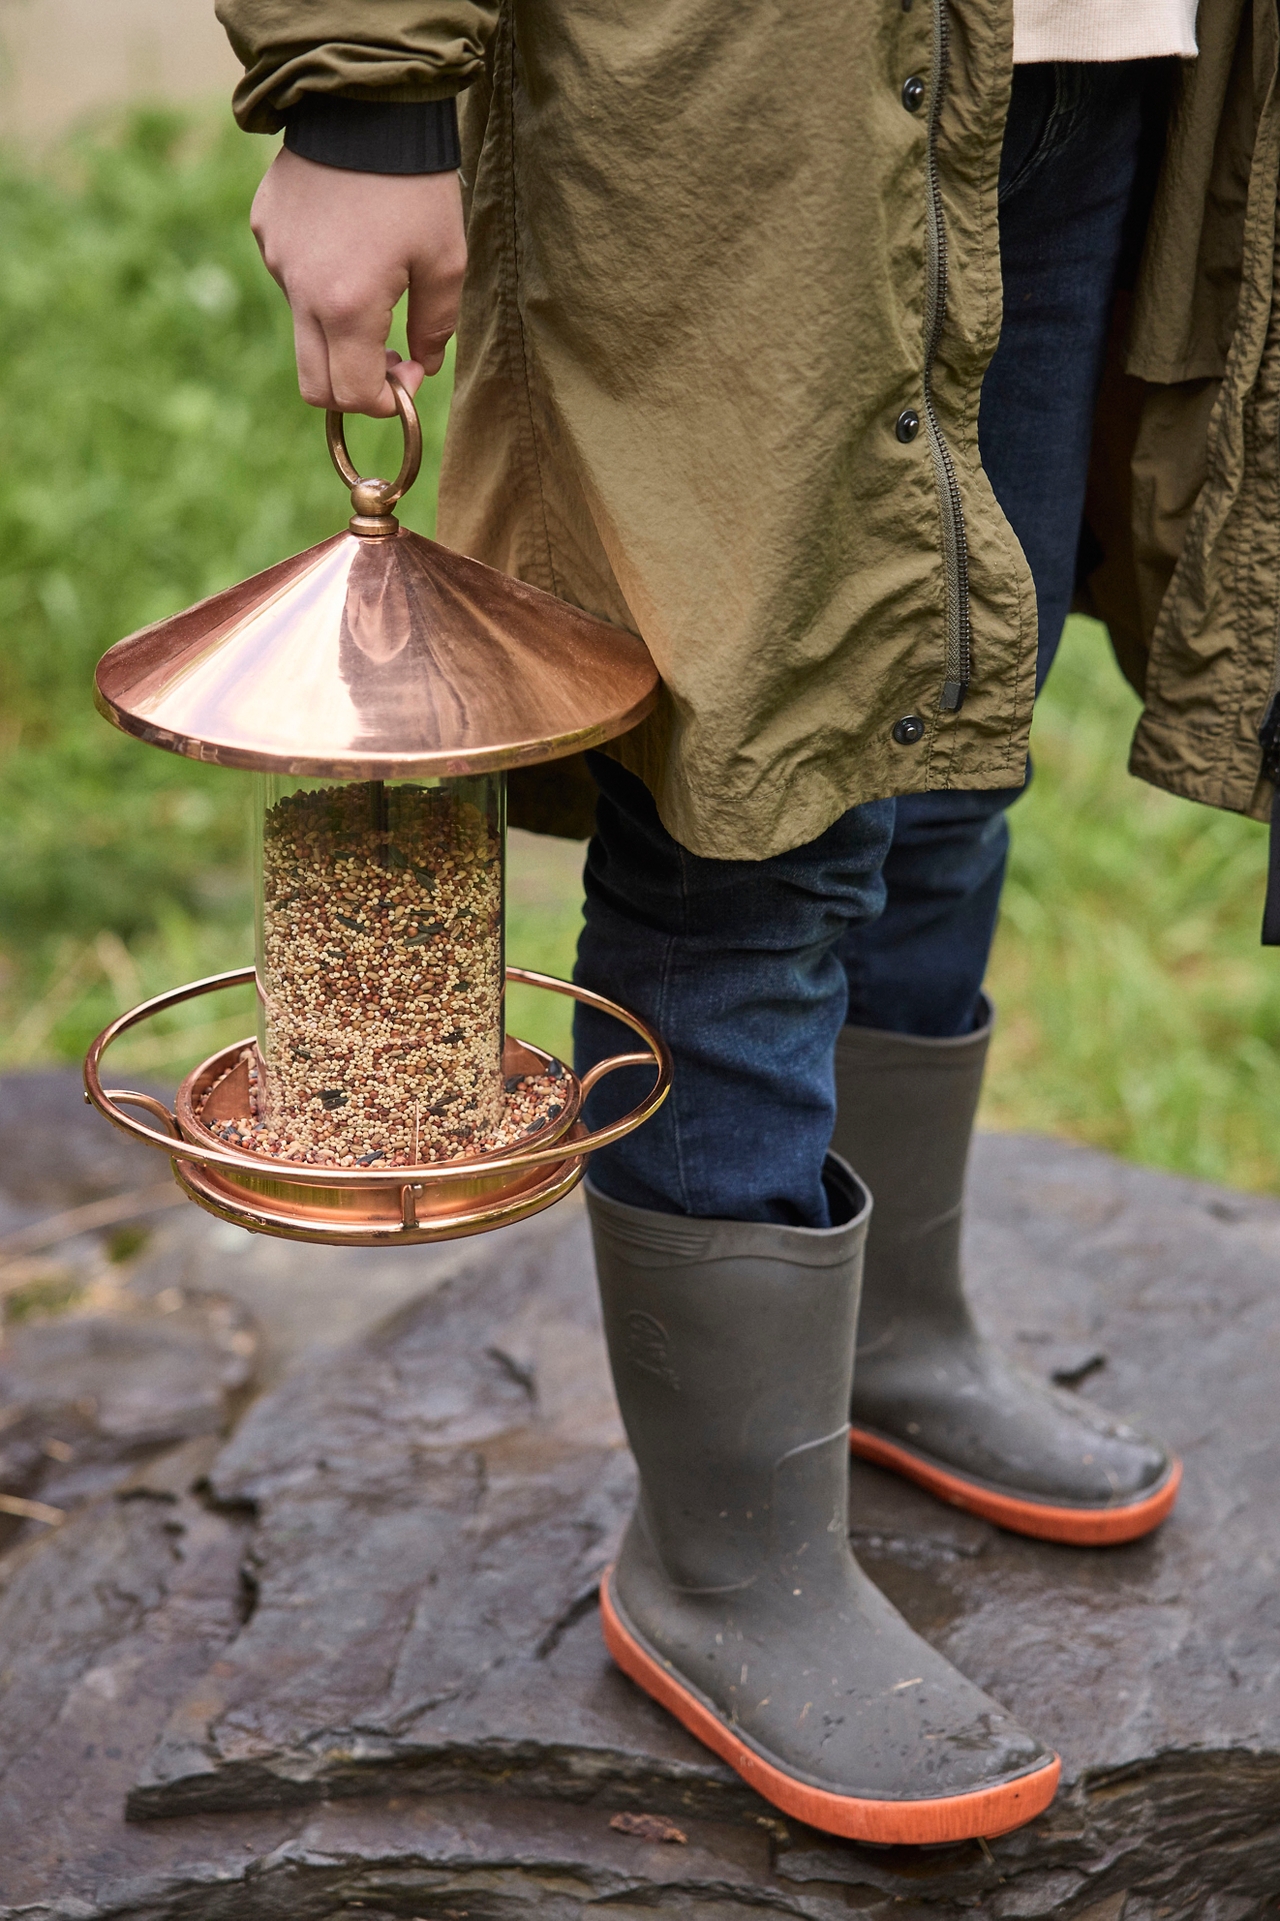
(372, 657)
(377, 654)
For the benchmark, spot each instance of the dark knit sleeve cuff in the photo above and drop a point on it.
(375, 136)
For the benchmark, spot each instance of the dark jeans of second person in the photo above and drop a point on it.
(749, 968)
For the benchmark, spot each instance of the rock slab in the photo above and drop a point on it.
(383, 1691)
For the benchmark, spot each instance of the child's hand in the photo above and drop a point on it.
(344, 246)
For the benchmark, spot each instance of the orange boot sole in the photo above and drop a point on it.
(1042, 1520)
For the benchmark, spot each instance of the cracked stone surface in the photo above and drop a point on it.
(87, 1396)
(358, 1674)
(98, 1373)
(100, 1625)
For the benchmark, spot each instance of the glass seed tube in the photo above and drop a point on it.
(380, 968)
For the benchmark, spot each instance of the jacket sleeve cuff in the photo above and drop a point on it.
(375, 136)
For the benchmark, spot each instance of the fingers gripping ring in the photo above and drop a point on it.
(373, 499)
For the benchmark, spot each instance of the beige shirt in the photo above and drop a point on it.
(1102, 30)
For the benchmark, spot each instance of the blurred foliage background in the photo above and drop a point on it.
(153, 449)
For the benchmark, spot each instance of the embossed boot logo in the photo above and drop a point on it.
(647, 1347)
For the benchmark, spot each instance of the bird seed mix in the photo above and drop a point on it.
(381, 983)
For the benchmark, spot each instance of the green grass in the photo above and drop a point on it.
(1138, 1010)
(153, 448)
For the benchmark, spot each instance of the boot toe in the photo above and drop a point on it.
(1116, 1461)
(830, 1706)
(901, 1725)
(985, 1435)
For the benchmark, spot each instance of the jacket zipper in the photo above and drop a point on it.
(955, 547)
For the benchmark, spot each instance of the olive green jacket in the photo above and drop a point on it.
(719, 260)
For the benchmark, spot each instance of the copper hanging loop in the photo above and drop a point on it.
(372, 500)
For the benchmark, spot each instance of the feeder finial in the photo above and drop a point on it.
(373, 499)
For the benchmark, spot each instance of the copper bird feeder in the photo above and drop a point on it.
(378, 687)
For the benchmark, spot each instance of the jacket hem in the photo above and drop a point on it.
(716, 832)
(1159, 756)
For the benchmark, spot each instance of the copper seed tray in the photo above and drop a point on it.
(359, 1206)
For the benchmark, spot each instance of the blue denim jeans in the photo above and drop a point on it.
(749, 968)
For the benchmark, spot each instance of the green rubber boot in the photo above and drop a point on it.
(736, 1601)
(931, 1399)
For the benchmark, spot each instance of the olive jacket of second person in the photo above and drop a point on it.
(733, 282)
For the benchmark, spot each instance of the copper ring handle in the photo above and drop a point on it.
(611, 1066)
(378, 496)
(152, 1105)
(299, 1174)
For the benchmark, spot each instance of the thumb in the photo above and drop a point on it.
(434, 293)
(408, 372)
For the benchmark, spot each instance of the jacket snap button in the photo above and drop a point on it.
(913, 93)
(909, 730)
(907, 425)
